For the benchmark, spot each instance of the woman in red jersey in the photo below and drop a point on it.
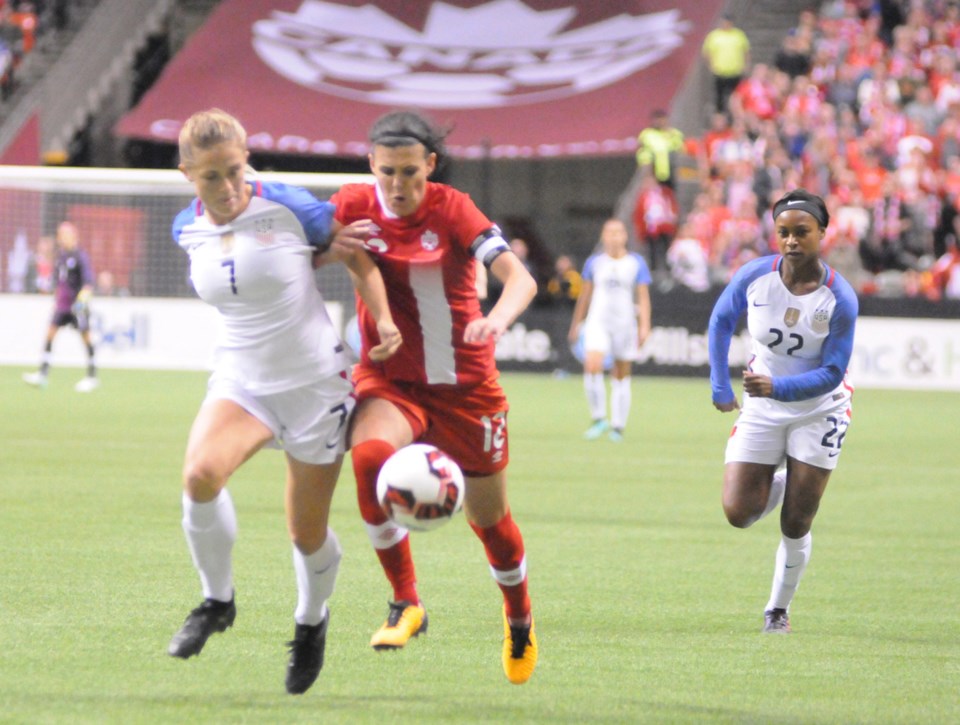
(441, 387)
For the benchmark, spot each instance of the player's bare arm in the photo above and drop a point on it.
(519, 289)
(353, 235)
(643, 313)
(368, 282)
(580, 310)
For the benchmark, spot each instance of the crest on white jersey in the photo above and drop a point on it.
(791, 317)
(263, 231)
(821, 320)
(429, 240)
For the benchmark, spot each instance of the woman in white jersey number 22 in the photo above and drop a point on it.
(796, 399)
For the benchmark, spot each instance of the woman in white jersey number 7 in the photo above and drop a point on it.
(796, 399)
(280, 376)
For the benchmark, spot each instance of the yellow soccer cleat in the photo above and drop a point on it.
(404, 621)
(519, 651)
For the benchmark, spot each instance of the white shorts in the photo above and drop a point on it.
(619, 343)
(309, 422)
(767, 430)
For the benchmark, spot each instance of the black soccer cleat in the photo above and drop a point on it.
(776, 621)
(306, 655)
(211, 616)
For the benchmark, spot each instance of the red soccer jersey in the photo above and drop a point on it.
(428, 268)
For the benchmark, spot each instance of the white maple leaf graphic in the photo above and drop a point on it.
(499, 53)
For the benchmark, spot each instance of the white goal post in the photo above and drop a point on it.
(145, 312)
(123, 217)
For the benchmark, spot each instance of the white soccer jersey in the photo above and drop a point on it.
(613, 302)
(803, 342)
(275, 333)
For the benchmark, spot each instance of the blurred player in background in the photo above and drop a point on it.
(74, 288)
(280, 377)
(614, 309)
(441, 387)
(796, 400)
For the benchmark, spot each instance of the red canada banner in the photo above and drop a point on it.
(512, 78)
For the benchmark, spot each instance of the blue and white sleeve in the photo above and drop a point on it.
(186, 216)
(314, 215)
(723, 322)
(588, 268)
(643, 271)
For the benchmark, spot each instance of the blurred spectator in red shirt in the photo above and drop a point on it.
(755, 97)
(871, 176)
(655, 221)
(708, 156)
(740, 238)
(25, 18)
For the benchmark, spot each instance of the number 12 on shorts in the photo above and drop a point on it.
(493, 429)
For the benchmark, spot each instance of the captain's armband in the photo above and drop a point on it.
(488, 246)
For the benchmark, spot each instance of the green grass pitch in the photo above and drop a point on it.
(648, 603)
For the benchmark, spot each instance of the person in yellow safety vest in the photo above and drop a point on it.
(727, 52)
(657, 146)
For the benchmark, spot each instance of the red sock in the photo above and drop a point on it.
(368, 457)
(504, 546)
(397, 563)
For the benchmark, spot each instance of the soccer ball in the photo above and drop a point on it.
(420, 487)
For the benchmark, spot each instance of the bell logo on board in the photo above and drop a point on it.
(499, 53)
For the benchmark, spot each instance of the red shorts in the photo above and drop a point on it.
(469, 424)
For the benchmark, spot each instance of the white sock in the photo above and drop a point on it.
(792, 558)
(211, 529)
(619, 402)
(385, 535)
(316, 575)
(777, 487)
(596, 395)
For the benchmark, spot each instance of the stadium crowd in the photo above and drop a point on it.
(19, 24)
(861, 106)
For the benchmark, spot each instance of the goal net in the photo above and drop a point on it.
(124, 218)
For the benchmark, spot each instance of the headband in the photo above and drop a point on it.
(811, 208)
(405, 138)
